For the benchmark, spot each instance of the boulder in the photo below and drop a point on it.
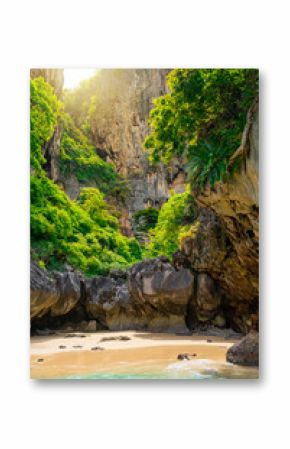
(69, 287)
(43, 291)
(162, 293)
(109, 302)
(152, 295)
(246, 351)
(156, 282)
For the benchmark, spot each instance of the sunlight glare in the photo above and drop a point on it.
(73, 77)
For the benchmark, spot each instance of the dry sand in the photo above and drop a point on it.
(145, 353)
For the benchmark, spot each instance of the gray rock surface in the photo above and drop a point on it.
(246, 351)
(43, 291)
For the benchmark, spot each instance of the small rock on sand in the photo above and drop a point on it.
(120, 338)
(75, 335)
(77, 346)
(62, 347)
(183, 357)
(40, 360)
(97, 348)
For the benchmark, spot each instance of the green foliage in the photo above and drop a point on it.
(83, 232)
(173, 216)
(44, 112)
(202, 119)
(78, 156)
(145, 219)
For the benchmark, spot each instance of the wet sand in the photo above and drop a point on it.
(149, 354)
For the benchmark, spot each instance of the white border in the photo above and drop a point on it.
(155, 33)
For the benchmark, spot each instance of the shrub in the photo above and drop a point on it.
(83, 232)
(173, 216)
(202, 119)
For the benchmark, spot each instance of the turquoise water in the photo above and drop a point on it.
(194, 370)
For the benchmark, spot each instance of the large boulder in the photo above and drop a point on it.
(69, 287)
(154, 297)
(43, 291)
(109, 302)
(53, 294)
(246, 351)
(162, 292)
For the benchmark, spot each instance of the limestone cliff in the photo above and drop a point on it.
(119, 126)
(226, 245)
(122, 100)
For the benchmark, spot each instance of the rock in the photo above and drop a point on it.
(162, 292)
(208, 297)
(43, 291)
(183, 357)
(219, 320)
(154, 297)
(119, 132)
(180, 260)
(62, 347)
(97, 348)
(69, 287)
(226, 244)
(246, 351)
(117, 338)
(77, 346)
(209, 340)
(44, 332)
(88, 326)
(54, 294)
(118, 274)
(40, 360)
(184, 334)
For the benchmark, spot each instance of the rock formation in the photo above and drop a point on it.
(43, 291)
(246, 351)
(214, 280)
(119, 126)
(226, 245)
(151, 296)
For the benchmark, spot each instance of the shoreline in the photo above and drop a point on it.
(132, 353)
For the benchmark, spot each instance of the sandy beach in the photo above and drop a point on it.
(131, 353)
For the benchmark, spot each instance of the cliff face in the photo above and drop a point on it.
(51, 149)
(119, 126)
(226, 245)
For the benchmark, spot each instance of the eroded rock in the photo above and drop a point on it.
(44, 293)
(69, 287)
(246, 351)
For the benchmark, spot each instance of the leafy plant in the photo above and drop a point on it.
(78, 156)
(45, 109)
(145, 219)
(202, 119)
(177, 212)
(82, 233)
